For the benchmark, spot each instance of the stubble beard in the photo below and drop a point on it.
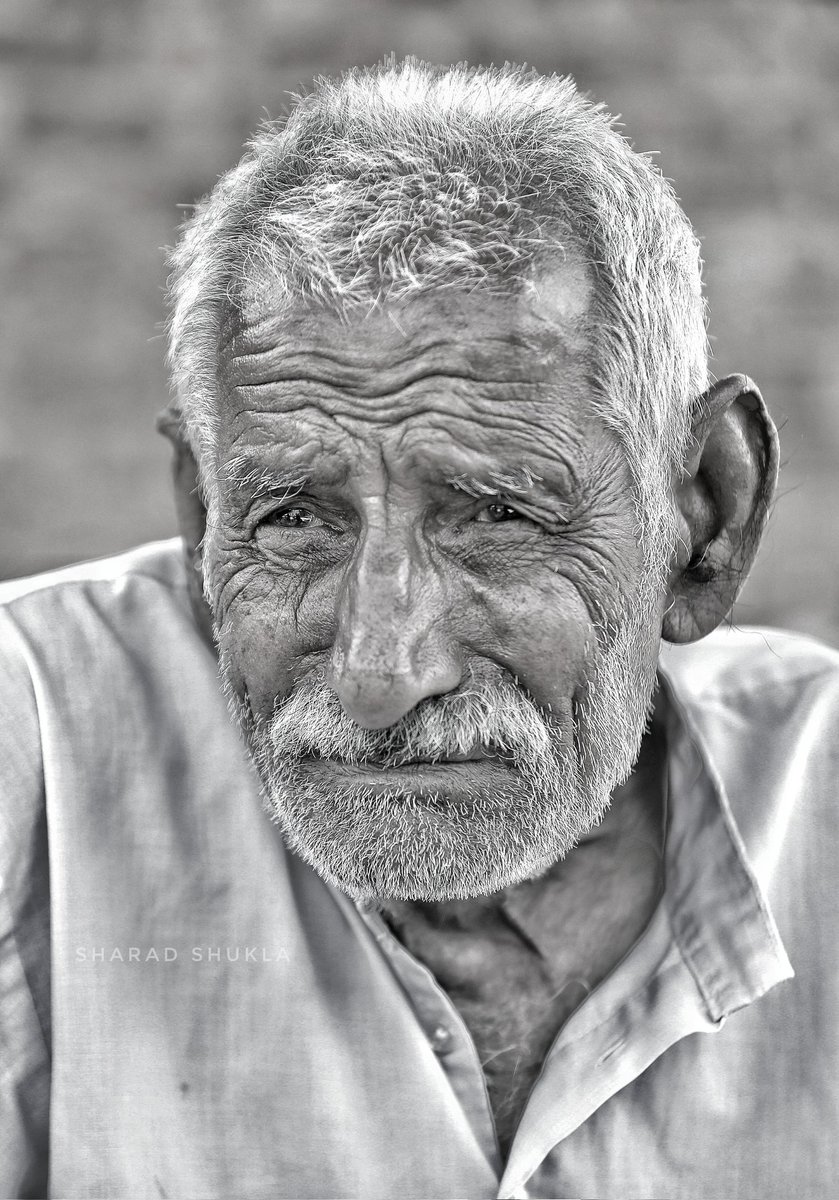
(549, 783)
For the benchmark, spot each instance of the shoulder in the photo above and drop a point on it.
(158, 562)
(759, 698)
(80, 649)
(762, 708)
(53, 614)
(751, 669)
(66, 637)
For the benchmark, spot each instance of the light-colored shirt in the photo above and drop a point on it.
(187, 1010)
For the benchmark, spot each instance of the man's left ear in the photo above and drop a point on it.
(723, 499)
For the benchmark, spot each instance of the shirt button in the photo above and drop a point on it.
(440, 1040)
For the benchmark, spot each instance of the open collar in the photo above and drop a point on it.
(711, 948)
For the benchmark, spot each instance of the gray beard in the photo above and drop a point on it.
(550, 783)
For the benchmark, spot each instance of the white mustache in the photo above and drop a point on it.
(496, 717)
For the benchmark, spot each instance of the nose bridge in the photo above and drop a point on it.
(391, 648)
(383, 608)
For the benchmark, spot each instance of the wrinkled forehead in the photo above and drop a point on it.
(530, 324)
(444, 384)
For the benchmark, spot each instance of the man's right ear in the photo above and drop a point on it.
(191, 512)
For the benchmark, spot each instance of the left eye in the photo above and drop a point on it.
(493, 514)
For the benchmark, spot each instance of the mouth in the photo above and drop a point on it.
(418, 772)
(396, 761)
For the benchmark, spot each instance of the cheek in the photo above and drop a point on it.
(259, 659)
(273, 631)
(544, 637)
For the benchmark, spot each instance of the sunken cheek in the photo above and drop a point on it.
(277, 626)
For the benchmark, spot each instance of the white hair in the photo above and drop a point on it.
(405, 177)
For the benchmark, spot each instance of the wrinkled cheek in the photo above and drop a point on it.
(256, 645)
(550, 646)
(257, 662)
(273, 629)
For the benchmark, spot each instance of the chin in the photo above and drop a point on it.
(379, 843)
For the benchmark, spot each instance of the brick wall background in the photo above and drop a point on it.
(112, 112)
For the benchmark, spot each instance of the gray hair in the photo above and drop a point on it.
(405, 177)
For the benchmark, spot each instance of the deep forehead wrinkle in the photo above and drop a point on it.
(484, 456)
(372, 372)
(437, 447)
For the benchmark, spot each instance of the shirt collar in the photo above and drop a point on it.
(719, 916)
(711, 948)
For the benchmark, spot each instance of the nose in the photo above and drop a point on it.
(392, 647)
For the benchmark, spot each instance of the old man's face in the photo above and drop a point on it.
(434, 617)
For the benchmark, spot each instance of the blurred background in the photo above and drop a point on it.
(114, 112)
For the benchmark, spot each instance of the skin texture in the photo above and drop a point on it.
(419, 577)
(342, 552)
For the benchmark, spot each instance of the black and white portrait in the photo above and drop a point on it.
(418, 689)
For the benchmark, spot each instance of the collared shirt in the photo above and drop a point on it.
(187, 1010)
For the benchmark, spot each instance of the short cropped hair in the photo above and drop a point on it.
(404, 178)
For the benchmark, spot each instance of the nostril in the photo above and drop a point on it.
(370, 701)
(377, 700)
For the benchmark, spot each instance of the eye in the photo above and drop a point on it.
(495, 513)
(292, 518)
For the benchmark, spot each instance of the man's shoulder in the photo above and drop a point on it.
(160, 562)
(760, 710)
(758, 700)
(736, 663)
(61, 622)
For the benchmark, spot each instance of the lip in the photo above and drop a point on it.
(415, 774)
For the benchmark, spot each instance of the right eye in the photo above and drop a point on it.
(293, 517)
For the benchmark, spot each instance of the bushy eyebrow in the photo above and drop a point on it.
(256, 482)
(251, 481)
(518, 482)
(520, 486)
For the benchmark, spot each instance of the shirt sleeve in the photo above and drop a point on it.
(24, 930)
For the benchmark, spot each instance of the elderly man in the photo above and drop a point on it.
(449, 468)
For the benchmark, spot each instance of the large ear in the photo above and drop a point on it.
(724, 499)
(191, 512)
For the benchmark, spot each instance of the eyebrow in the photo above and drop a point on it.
(520, 484)
(257, 481)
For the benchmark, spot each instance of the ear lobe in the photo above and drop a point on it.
(724, 500)
(192, 514)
